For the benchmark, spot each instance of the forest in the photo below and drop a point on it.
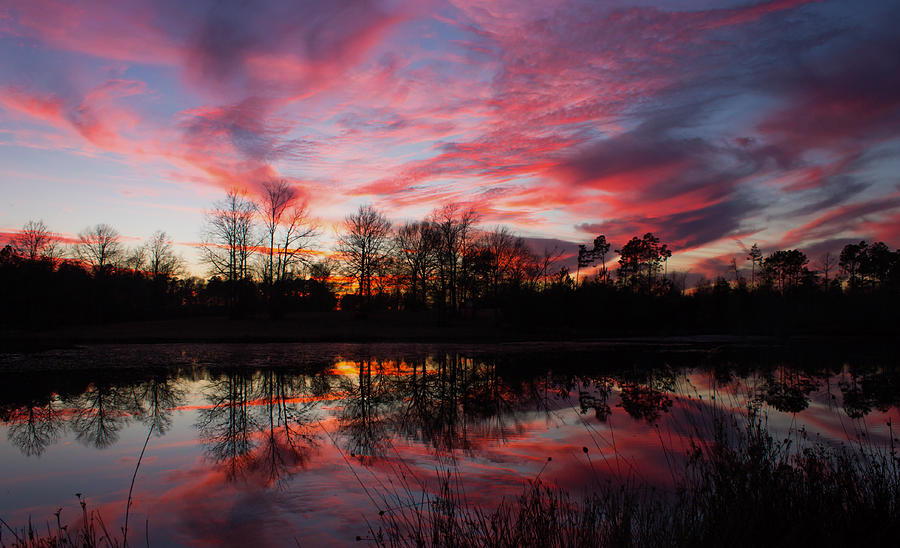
(261, 260)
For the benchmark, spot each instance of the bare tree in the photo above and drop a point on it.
(321, 271)
(454, 226)
(277, 197)
(735, 271)
(297, 231)
(546, 262)
(364, 246)
(228, 237)
(502, 249)
(288, 227)
(829, 261)
(35, 242)
(756, 258)
(416, 245)
(99, 246)
(136, 259)
(162, 261)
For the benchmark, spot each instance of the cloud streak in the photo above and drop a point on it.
(773, 120)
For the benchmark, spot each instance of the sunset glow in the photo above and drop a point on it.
(710, 124)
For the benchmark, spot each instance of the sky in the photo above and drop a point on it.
(712, 124)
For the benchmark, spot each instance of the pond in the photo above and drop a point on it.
(275, 443)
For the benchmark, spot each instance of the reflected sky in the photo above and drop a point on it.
(252, 443)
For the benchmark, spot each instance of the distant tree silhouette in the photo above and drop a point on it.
(35, 242)
(364, 247)
(135, 259)
(229, 238)
(229, 241)
(455, 227)
(161, 258)
(872, 265)
(640, 260)
(851, 258)
(416, 245)
(288, 228)
(755, 256)
(99, 246)
(601, 248)
(504, 255)
(587, 257)
(829, 261)
(877, 263)
(786, 268)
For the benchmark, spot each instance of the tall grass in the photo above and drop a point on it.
(89, 532)
(742, 488)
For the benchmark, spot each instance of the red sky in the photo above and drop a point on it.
(711, 124)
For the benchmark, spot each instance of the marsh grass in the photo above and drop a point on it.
(88, 532)
(91, 532)
(742, 487)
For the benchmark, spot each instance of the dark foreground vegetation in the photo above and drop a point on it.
(734, 484)
(743, 488)
(740, 488)
(444, 270)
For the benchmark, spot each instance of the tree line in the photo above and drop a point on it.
(261, 257)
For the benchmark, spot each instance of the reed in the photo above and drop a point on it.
(742, 487)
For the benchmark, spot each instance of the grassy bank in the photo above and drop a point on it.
(744, 488)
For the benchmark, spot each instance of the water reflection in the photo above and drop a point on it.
(263, 421)
(258, 424)
(253, 425)
(32, 428)
(40, 408)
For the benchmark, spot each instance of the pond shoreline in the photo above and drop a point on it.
(600, 354)
(349, 328)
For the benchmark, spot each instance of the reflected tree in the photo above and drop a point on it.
(287, 438)
(227, 425)
(367, 404)
(155, 399)
(787, 390)
(102, 411)
(35, 427)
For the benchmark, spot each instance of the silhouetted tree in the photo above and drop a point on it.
(100, 246)
(35, 242)
(829, 261)
(288, 227)
(162, 263)
(587, 257)
(601, 248)
(755, 256)
(641, 259)
(502, 253)
(228, 237)
(852, 257)
(786, 267)
(877, 263)
(135, 259)
(364, 247)
(454, 226)
(416, 246)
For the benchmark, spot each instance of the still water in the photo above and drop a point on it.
(269, 444)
